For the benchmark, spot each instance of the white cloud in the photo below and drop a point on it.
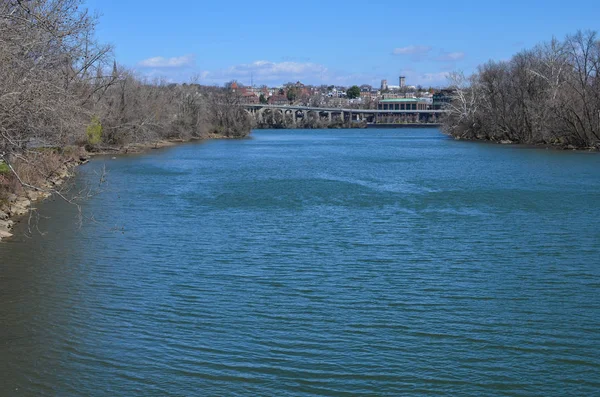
(161, 62)
(264, 72)
(426, 79)
(276, 73)
(434, 78)
(422, 53)
(267, 68)
(451, 56)
(412, 50)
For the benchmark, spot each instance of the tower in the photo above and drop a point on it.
(402, 81)
(384, 85)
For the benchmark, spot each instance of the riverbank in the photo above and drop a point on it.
(403, 125)
(544, 145)
(18, 204)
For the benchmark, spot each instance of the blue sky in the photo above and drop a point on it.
(329, 41)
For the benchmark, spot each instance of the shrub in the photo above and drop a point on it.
(4, 169)
(94, 131)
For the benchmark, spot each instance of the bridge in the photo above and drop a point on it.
(265, 113)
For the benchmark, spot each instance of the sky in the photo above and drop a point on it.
(328, 41)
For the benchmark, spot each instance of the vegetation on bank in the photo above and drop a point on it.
(59, 88)
(547, 95)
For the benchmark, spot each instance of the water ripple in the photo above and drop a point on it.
(314, 263)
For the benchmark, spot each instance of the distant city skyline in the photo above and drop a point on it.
(339, 43)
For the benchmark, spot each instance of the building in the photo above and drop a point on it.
(250, 98)
(402, 81)
(403, 104)
(279, 99)
(397, 94)
(442, 98)
(384, 85)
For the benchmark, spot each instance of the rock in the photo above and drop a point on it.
(506, 141)
(20, 206)
(4, 234)
(3, 216)
(34, 195)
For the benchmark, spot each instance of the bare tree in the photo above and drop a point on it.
(60, 89)
(550, 94)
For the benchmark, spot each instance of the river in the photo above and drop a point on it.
(312, 263)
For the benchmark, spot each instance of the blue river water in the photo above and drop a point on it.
(312, 263)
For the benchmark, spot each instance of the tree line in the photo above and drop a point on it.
(60, 87)
(546, 95)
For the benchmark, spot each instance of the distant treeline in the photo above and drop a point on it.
(59, 87)
(547, 95)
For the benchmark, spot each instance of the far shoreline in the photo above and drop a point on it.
(545, 146)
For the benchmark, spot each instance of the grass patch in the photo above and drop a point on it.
(4, 168)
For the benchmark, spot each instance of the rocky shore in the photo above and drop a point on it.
(18, 205)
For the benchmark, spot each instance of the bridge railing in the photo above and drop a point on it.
(344, 110)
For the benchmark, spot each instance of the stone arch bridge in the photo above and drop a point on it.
(268, 113)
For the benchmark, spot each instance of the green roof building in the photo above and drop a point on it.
(403, 104)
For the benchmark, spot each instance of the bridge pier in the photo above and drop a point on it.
(259, 115)
(292, 116)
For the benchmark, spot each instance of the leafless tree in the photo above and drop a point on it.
(550, 94)
(60, 89)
